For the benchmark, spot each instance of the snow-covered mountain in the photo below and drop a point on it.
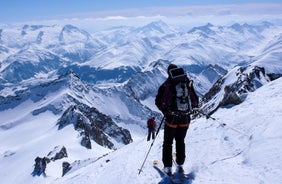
(128, 50)
(215, 153)
(68, 98)
(232, 88)
(81, 100)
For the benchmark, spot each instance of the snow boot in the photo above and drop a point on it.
(167, 171)
(179, 169)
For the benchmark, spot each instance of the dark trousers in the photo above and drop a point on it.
(151, 131)
(170, 134)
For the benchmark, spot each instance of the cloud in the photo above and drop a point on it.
(185, 16)
(241, 9)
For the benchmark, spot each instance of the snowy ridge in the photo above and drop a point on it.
(233, 88)
(64, 97)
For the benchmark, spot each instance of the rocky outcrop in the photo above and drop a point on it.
(226, 93)
(59, 152)
(94, 125)
(40, 165)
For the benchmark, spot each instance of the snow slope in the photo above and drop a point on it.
(216, 153)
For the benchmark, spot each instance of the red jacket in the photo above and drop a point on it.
(151, 123)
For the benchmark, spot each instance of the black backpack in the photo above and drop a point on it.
(180, 88)
(177, 93)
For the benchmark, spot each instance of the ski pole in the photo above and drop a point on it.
(225, 125)
(140, 170)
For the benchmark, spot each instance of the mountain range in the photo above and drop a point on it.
(93, 92)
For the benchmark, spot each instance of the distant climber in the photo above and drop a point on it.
(151, 125)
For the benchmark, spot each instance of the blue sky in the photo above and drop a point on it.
(28, 10)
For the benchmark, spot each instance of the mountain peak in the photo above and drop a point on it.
(157, 27)
(205, 29)
(70, 34)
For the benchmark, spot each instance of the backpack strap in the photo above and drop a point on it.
(166, 96)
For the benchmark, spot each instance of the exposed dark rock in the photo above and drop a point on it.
(248, 80)
(40, 166)
(214, 90)
(273, 76)
(230, 97)
(58, 153)
(85, 141)
(66, 167)
(93, 125)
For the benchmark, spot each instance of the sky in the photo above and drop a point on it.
(85, 12)
(27, 10)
